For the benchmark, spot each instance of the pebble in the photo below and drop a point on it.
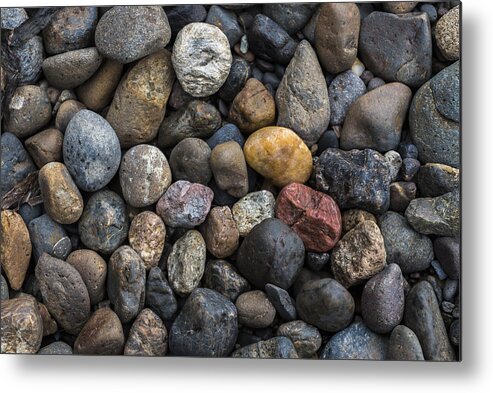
(291, 17)
(447, 251)
(382, 300)
(139, 104)
(282, 302)
(229, 168)
(47, 236)
(91, 151)
(375, 119)
(146, 236)
(375, 83)
(185, 204)
(306, 338)
(326, 304)
(13, 17)
(201, 59)
(30, 55)
(15, 248)
(343, 91)
(455, 333)
(189, 160)
(434, 118)
(431, 11)
(126, 283)
(220, 233)
(228, 132)
(447, 34)
(317, 261)
(269, 41)
(197, 120)
(355, 179)
(410, 166)
(404, 345)
(412, 251)
(313, 215)
(252, 209)
(336, 36)
(239, 73)
(253, 108)
(129, 33)
(56, 348)
(61, 197)
(29, 213)
(206, 326)
(222, 277)
(29, 111)
(147, 337)
(101, 335)
(437, 179)
(357, 68)
(273, 348)
(328, 139)
(399, 7)
(359, 255)
(103, 226)
(401, 194)
(407, 150)
(66, 112)
(49, 324)
(394, 161)
(22, 327)
(69, 29)
(186, 263)
(181, 15)
(422, 315)
(450, 289)
(436, 216)
(4, 288)
(159, 296)
(397, 47)
(226, 21)
(278, 154)
(255, 310)
(355, 342)
(64, 293)
(271, 253)
(352, 217)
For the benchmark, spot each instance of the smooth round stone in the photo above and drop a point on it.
(13, 17)
(282, 302)
(186, 263)
(336, 36)
(15, 248)
(274, 348)
(47, 236)
(30, 55)
(103, 226)
(412, 251)
(222, 277)
(437, 179)
(229, 168)
(401, 194)
(328, 139)
(206, 326)
(220, 233)
(228, 132)
(359, 255)
(61, 197)
(399, 7)
(291, 17)
(185, 204)
(355, 179)
(382, 300)
(148, 336)
(201, 59)
(22, 326)
(422, 315)
(45, 146)
(126, 283)
(447, 251)
(279, 155)
(70, 69)
(303, 82)
(306, 338)
(189, 160)
(182, 15)
(375, 83)
(92, 268)
(447, 34)
(159, 295)
(144, 175)
(101, 335)
(29, 111)
(356, 342)
(271, 253)
(344, 89)
(139, 104)
(4, 288)
(305, 276)
(252, 209)
(64, 293)
(91, 150)
(146, 236)
(69, 29)
(66, 112)
(226, 21)
(325, 304)
(255, 310)
(404, 345)
(129, 33)
(56, 348)
(239, 73)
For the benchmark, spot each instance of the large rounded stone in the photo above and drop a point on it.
(229, 168)
(404, 345)
(189, 160)
(148, 336)
(344, 89)
(447, 34)
(222, 277)
(252, 209)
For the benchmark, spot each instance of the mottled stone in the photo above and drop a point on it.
(47, 236)
(226, 21)
(31, 56)
(4, 288)
(148, 336)
(437, 179)
(404, 345)
(220, 233)
(274, 348)
(282, 302)
(291, 17)
(401, 194)
(447, 251)
(222, 277)
(239, 73)
(306, 338)
(252, 209)
(255, 310)
(189, 160)
(352, 217)
(56, 348)
(49, 324)
(447, 34)
(317, 261)
(159, 295)
(13, 17)
(343, 91)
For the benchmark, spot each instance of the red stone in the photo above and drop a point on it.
(314, 216)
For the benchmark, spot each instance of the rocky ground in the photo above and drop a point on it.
(261, 181)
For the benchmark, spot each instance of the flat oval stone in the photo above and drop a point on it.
(404, 345)
(229, 168)
(252, 209)
(344, 89)
(255, 310)
(66, 112)
(189, 160)
(47, 236)
(222, 277)
(220, 233)
(325, 304)
(306, 338)
(91, 151)
(128, 33)
(274, 348)
(206, 326)
(437, 179)
(159, 295)
(64, 293)
(126, 283)
(148, 336)
(139, 104)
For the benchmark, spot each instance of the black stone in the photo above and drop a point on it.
(407, 150)
(282, 302)
(239, 73)
(159, 295)
(409, 168)
(226, 21)
(271, 79)
(222, 277)
(228, 132)
(328, 139)
(447, 251)
(291, 17)
(182, 15)
(317, 261)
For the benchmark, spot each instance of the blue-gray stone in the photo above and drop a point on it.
(282, 302)
(56, 348)
(12, 17)
(228, 132)
(275, 348)
(344, 89)
(47, 236)
(4, 288)
(29, 213)
(159, 295)
(446, 87)
(226, 21)
(291, 17)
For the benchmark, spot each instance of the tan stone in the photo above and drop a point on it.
(229, 168)
(447, 34)
(220, 232)
(399, 7)
(45, 146)
(352, 217)
(148, 336)
(65, 112)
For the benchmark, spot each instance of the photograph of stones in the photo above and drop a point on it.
(242, 180)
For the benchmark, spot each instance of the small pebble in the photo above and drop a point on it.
(222, 277)
(255, 310)
(147, 337)
(146, 236)
(283, 303)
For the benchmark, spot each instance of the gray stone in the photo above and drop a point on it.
(56, 348)
(47, 236)
(306, 338)
(147, 337)
(404, 345)
(255, 310)
(189, 160)
(274, 348)
(344, 89)
(283, 303)
(252, 209)
(222, 277)
(447, 251)
(4, 288)
(228, 132)
(437, 179)
(31, 56)
(226, 21)
(394, 161)
(291, 17)
(13, 17)
(159, 295)
(455, 333)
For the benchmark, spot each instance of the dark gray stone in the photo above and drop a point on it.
(47, 236)
(306, 338)
(56, 348)
(450, 289)
(189, 160)
(437, 179)
(239, 73)
(182, 15)
(31, 56)
(404, 345)
(226, 21)
(222, 277)
(407, 150)
(409, 168)
(317, 261)
(4, 288)
(447, 251)
(291, 17)
(274, 348)
(344, 89)
(282, 302)
(401, 194)
(159, 295)
(454, 333)
(430, 10)
(228, 132)
(328, 139)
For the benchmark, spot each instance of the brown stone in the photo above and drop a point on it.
(399, 7)
(255, 310)
(220, 232)
(15, 248)
(401, 194)
(253, 108)
(148, 336)
(447, 34)
(65, 112)
(45, 146)
(229, 168)
(336, 36)
(352, 217)
(49, 324)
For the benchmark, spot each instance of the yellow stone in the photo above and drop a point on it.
(279, 155)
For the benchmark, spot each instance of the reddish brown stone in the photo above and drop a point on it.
(314, 216)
